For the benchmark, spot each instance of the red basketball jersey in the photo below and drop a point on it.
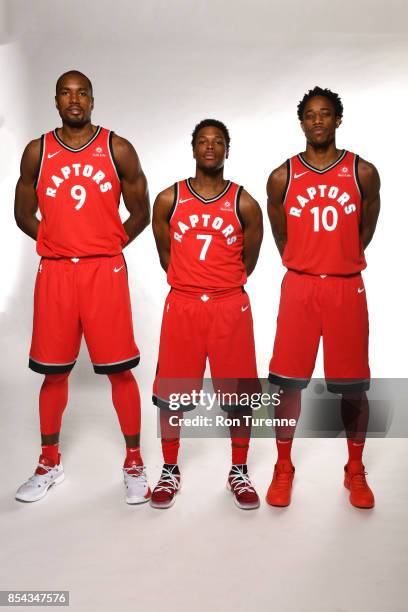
(206, 239)
(78, 193)
(323, 213)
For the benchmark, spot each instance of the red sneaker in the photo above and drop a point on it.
(280, 489)
(164, 493)
(240, 485)
(361, 496)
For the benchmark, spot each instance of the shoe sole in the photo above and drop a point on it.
(242, 506)
(57, 481)
(276, 505)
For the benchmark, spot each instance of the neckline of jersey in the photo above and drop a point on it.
(90, 141)
(209, 200)
(323, 170)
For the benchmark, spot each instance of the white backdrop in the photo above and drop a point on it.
(159, 67)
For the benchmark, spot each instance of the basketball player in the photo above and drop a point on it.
(75, 176)
(208, 232)
(323, 206)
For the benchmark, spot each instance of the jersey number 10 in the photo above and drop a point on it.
(328, 222)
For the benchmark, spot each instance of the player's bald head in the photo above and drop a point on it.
(73, 73)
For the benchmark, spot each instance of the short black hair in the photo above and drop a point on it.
(325, 93)
(214, 123)
(76, 73)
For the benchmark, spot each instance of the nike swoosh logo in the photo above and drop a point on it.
(118, 269)
(53, 154)
(301, 174)
(186, 200)
(244, 308)
(360, 290)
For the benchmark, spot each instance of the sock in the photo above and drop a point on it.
(355, 452)
(239, 450)
(170, 448)
(126, 400)
(170, 437)
(133, 457)
(240, 436)
(284, 450)
(50, 452)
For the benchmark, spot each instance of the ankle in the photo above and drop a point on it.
(354, 465)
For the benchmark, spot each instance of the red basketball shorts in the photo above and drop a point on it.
(200, 326)
(333, 307)
(87, 296)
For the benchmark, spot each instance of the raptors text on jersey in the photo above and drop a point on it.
(323, 213)
(78, 194)
(206, 240)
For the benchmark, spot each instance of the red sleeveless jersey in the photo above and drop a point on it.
(323, 213)
(206, 240)
(78, 193)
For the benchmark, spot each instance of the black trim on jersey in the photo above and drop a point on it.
(113, 157)
(289, 170)
(175, 200)
(42, 147)
(165, 405)
(288, 383)
(338, 160)
(48, 368)
(356, 160)
(62, 143)
(210, 200)
(116, 367)
(237, 211)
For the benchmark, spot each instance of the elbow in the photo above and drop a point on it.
(18, 219)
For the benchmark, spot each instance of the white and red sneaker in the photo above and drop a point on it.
(45, 476)
(164, 493)
(137, 491)
(240, 485)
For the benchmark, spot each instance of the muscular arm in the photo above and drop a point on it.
(275, 189)
(25, 202)
(251, 215)
(161, 227)
(370, 184)
(134, 187)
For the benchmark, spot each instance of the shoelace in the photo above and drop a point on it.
(136, 471)
(359, 480)
(168, 482)
(240, 482)
(281, 478)
(36, 477)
